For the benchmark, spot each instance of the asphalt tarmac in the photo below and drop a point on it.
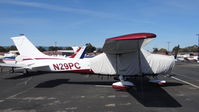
(73, 92)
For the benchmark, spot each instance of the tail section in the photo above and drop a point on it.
(79, 52)
(26, 48)
(75, 48)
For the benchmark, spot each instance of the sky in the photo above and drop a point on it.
(77, 22)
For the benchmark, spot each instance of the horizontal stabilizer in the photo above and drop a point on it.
(12, 65)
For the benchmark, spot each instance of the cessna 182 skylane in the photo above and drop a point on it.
(122, 56)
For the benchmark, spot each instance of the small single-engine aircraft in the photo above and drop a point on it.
(11, 61)
(122, 56)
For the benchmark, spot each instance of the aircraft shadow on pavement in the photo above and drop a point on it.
(21, 76)
(151, 95)
(147, 94)
(57, 82)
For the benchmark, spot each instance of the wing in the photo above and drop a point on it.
(127, 43)
(121, 55)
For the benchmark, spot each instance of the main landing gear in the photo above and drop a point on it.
(158, 82)
(122, 84)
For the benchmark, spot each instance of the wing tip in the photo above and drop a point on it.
(19, 36)
(134, 36)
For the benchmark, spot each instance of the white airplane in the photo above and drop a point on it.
(122, 56)
(10, 60)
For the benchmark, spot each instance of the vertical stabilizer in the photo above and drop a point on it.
(26, 48)
(79, 52)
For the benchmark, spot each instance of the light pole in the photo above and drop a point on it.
(198, 46)
(168, 45)
(55, 44)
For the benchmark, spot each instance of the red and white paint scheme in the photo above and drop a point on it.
(122, 56)
(79, 53)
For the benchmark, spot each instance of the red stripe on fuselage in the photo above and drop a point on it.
(49, 59)
(27, 59)
(82, 71)
(42, 59)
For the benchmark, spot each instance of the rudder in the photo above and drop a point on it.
(26, 48)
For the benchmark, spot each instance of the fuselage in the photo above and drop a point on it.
(99, 64)
(56, 64)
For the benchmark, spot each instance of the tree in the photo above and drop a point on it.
(99, 50)
(12, 47)
(41, 49)
(155, 50)
(176, 50)
(2, 49)
(52, 48)
(193, 48)
(90, 48)
(68, 48)
(163, 50)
